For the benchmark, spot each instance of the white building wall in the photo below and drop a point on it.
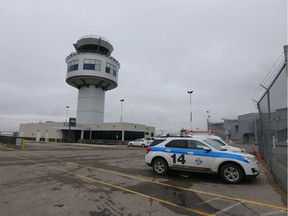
(125, 126)
(40, 130)
(90, 108)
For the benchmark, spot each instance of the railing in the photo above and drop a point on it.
(110, 57)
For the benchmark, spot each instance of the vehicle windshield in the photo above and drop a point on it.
(218, 141)
(214, 144)
(221, 142)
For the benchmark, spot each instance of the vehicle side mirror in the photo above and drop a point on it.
(205, 148)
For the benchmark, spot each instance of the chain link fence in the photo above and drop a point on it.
(272, 125)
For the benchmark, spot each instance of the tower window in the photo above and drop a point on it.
(73, 65)
(111, 69)
(92, 64)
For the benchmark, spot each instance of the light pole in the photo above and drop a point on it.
(190, 92)
(122, 100)
(67, 107)
(208, 116)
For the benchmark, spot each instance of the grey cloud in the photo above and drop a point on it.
(220, 49)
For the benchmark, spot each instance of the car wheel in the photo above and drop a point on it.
(130, 145)
(160, 166)
(232, 173)
(143, 145)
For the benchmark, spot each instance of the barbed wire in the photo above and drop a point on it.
(269, 77)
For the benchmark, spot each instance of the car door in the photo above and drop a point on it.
(137, 142)
(176, 154)
(198, 158)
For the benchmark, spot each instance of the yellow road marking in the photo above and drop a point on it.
(173, 186)
(115, 186)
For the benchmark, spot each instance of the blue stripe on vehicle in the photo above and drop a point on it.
(200, 153)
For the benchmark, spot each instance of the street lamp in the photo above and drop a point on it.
(122, 100)
(67, 107)
(190, 92)
(208, 116)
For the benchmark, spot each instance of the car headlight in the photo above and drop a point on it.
(250, 160)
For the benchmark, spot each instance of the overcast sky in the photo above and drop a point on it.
(220, 49)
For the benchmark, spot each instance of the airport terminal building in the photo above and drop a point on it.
(115, 133)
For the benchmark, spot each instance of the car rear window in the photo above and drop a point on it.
(156, 142)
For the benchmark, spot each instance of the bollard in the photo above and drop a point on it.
(253, 149)
(259, 156)
(22, 144)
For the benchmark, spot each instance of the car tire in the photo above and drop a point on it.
(130, 145)
(232, 173)
(143, 145)
(160, 166)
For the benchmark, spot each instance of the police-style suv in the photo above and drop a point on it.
(200, 155)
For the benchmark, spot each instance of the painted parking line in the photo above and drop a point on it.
(228, 208)
(172, 186)
(210, 200)
(113, 186)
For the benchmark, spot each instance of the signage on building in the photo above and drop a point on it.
(72, 122)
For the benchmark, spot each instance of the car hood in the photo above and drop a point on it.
(240, 152)
(234, 149)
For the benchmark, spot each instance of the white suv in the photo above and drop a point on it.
(220, 141)
(200, 155)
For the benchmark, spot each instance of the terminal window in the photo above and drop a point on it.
(111, 69)
(73, 65)
(92, 64)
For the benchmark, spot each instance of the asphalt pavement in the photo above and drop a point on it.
(78, 179)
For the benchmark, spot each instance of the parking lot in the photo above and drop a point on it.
(78, 179)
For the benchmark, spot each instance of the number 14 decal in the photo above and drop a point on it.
(180, 159)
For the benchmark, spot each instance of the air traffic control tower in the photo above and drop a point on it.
(93, 71)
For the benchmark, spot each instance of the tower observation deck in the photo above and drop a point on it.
(93, 71)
